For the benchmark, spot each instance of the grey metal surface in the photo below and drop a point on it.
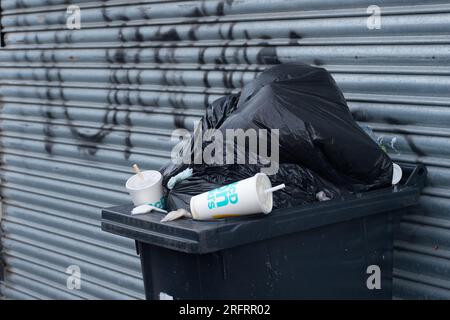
(78, 107)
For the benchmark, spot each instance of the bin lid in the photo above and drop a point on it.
(191, 236)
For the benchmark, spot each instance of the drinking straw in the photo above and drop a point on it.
(276, 188)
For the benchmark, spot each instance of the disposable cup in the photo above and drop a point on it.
(146, 190)
(244, 197)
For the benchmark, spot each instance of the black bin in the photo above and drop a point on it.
(327, 250)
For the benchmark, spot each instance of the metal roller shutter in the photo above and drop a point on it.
(78, 107)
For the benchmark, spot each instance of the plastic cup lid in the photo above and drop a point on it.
(397, 174)
(265, 199)
(151, 177)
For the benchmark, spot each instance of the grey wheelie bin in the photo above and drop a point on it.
(327, 250)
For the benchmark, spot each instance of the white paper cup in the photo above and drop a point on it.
(237, 199)
(148, 190)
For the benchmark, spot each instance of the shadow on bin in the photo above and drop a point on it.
(339, 249)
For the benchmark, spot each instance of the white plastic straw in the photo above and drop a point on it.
(276, 188)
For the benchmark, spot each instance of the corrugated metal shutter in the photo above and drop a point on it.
(80, 106)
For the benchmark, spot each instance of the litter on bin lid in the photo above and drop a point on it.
(146, 208)
(249, 196)
(145, 187)
(176, 214)
(322, 196)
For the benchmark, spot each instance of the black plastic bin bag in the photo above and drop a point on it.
(316, 132)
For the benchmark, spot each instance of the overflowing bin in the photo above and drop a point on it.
(338, 249)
